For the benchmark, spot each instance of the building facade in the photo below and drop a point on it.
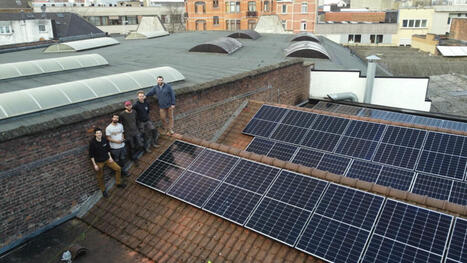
(25, 31)
(413, 21)
(459, 29)
(122, 20)
(443, 16)
(358, 34)
(295, 15)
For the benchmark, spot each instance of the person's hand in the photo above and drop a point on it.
(172, 107)
(96, 167)
(111, 160)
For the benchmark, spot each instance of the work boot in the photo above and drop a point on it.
(123, 185)
(104, 194)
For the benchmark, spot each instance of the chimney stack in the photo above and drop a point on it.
(370, 77)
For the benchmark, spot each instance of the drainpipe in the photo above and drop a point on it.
(370, 77)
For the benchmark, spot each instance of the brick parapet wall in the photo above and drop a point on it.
(45, 175)
(459, 29)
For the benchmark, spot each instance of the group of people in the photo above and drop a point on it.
(137, 132)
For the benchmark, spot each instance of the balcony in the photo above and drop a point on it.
(251, 14)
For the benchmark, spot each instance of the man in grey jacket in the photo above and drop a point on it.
(166, 99)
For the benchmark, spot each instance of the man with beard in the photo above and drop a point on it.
(114, 133)
(146, 126)
(132, 134)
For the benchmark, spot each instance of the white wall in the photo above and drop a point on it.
(24, 31)
(408, 93)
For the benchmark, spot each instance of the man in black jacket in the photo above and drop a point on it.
(99, 152)
(145, 125)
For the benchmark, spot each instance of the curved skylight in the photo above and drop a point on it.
(22, 102)
(248, 34)
(42, 66)
(146, 35)
(81, 45)
(305, 36)
(306, 49)
(221, 45)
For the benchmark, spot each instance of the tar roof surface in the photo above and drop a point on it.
(172, 50)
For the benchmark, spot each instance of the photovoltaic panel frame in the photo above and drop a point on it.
(432, 186)
(457, 250)
(160, 176)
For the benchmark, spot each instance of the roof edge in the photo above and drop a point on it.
(425, 201)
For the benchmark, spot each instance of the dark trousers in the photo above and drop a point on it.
(119, 156)
(135, 143)
(150, 133)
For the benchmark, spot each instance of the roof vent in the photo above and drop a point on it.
(226, 45)
(306, 49)
(305, 36)
(248, 34)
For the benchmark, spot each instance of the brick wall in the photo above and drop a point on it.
(44, 176)
(459, 29)
(355, 16)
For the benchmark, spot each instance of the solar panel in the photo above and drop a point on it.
(365, 171)
(365, 130)
(355, 147)
(459, 193)
(396, 155)
(193, 188)
(446, 143)
(270, 113)
(404, 136)
(308, 157)
(457, 250)
(282, 151)
(160, 176)
(341, 224)
(213, 164)
(330, 124)
(278, 220)
(406, 233)
(395, 178)
(297, 190)
(443, 164)
(321, 140)
(258, 127)
(299, 118)
(288, 133)
(232, 203)
(252, 176)
(334, 164)
(432, 186)
(260, 146)
(181, 154)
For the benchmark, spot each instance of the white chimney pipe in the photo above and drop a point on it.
(370, 77)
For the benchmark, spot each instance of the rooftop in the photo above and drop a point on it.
(172, 50)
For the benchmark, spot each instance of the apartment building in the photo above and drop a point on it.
(296, 15)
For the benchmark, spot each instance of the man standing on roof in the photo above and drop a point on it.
(146, 126)
(99, 152)
(132, 134)
(166, 99)
(114, 134)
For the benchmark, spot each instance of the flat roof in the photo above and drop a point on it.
(173, 51)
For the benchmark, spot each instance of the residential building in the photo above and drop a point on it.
(123, 19)
(17, 28)
(413, 21)
(358, 33)
(374, 4)
(443, 16)
(15, 6)
(296, 15)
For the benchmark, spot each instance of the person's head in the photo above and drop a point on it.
(128, 105)
(98, 133)
(141, 96)
(115, 118)
(160, 80)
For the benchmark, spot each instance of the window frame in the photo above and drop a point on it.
(214, 20)
(304, 8)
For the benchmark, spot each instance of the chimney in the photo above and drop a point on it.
(370, 77)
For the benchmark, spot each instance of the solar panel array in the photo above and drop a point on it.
(329, 221)
(424, 162)
(391, 116)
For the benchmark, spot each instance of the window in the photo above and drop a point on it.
(232, 7)
(303, 26)
(304, 8)
(163, 19)
(200, 25)
(252, 6)
(415, 23)
(215, 3)
(251, 24)
(355, 38)
(95, 20)
(284, 24)
(200, 7)
(358, 38)
(350, 39)
(215, 20)
(376, 39)
(266, 6)
(42, 28)
(449, 20)
(284, 9)
(131, 20)
(175, 18)
(5, 29)
(232, 25)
